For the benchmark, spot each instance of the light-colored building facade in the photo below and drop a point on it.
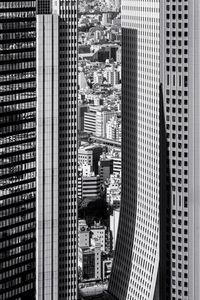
(83, 234)
(90, 154)
(102, 117)
(99, 233)
(136, 261)
(90, 120)
(86, 170)
(95, 120)
(119, 55)
(56, 193)
(106, 268)
(114, 222)
(112, 75)
(180, 196)
(98, 77)
(113, 129)
(85, 156)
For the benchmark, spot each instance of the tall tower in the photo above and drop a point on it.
(180, 197)
(56, 204)
(17, 149)
(136, 261)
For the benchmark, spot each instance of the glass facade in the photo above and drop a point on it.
(17, 149)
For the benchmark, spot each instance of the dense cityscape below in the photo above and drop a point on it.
(99, 148)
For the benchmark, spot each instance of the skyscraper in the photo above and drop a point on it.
(136, 261)
(180, 197)
(158, 243)
(17, 149)
(56, 234)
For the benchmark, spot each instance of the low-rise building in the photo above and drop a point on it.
(112, 75)
(83, 234)
(102, 117)
(113, 191)
(113, 129)
(98, 77)
(91, 186)
(105, 168)
(89, 261)
(82, 109)
(90, 121)
(106, 268)
(90, 154)
(99, 232)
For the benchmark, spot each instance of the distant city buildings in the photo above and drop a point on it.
(102, 117)
(95, 120)
(113, 129)
(112, 75)
(106, 269)
(93, 259)
(90, 120)
(113, 190)
(114, 222)
(99, 153)
(105, 168)
(99, 232)
(90, 154)
(82, 109)
(106, 19)
(89, 261)
(83, 234)
(91, 186)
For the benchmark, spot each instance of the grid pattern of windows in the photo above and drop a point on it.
(43, 7)
(17, 149)
(68, 152)
(57, 86)
(176, 102)
(135, 266)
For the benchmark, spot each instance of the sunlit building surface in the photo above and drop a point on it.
(56, 244)
(136, 260)
(180, 198)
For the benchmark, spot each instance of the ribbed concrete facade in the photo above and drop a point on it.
(47, 156)
(56, 271)
(136, 260)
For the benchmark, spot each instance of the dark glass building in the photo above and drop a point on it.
(17, 149)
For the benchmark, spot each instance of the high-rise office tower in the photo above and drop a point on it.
(56, 205)
(136, 260)
(180, 153)
(161, 149)
(17, 149)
